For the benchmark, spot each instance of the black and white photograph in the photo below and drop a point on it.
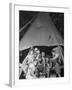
(41, 44)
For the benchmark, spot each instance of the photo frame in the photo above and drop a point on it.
(20, 17)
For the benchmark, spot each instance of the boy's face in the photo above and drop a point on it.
(43, 54)
(47, 59)
(52, 75)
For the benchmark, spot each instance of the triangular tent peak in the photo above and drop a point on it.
(42, 32)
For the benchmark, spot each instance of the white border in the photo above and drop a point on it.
(37, 82)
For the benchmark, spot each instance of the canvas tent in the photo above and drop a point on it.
(42, 32)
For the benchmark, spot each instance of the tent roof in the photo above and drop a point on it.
(41, 32)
